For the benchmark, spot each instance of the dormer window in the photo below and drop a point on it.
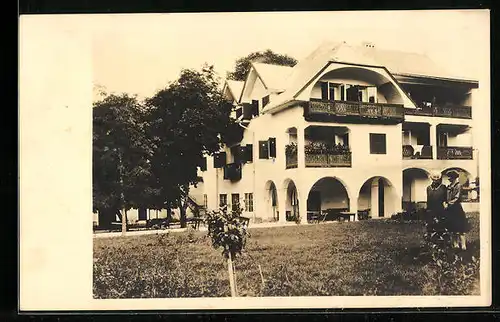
(265, 100)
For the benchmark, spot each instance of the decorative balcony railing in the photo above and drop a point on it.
(328, 160)
(377, 111)
(454, 153)
(410, 153)
(453, 111)
(291, 161)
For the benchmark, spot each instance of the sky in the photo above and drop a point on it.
(141, 53)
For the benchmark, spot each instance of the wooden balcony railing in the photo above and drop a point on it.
(320, 107)
(454, 153)
(453, 111)
(328, 160)
(291, 161)
(409, 152)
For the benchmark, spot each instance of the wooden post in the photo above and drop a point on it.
(231, 275)
(122, 196)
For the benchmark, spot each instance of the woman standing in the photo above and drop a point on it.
(456, 214)
(436, 198)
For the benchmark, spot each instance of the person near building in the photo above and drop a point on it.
(458, 220)
(436, 199)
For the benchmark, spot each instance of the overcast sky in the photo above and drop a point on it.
(140, 54)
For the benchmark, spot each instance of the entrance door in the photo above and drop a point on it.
(381, 198)
(352, 93)
(143, 215)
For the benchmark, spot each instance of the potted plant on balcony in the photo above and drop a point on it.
(291, 149)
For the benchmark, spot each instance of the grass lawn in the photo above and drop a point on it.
(375, 257)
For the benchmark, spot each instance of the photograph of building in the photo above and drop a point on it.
(352, 128)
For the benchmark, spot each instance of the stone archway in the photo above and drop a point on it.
(378, 196)
(271, 201)
(291, 200)
(328, 195)
(415, 182)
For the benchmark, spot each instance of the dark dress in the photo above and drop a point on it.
(436, 216)
(455, 212)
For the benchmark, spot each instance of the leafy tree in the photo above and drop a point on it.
(121, 167)
(189, 119)
(242, 66)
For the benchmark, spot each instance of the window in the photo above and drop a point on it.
(265, 100)
(377, 143)
(222, 200)
(263, 149)
(249, 202)
(205, 201)
(235, 201)
(328, 91)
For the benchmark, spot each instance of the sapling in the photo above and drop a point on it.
(228, 231)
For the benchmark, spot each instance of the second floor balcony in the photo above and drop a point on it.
(454, 153)
(452, 111)
(319, 155)
(321, 110)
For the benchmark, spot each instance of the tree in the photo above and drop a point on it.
(121, 169)
(189, 119)
(242, 66)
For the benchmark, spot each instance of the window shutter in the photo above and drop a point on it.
(342, 95)
(237, 156)
(247, 111)
(239, 112)
(346, 139)
(255, 107)
(331, 89)
(265, 100)
(263, 150)
(219, 160)
(249, 153)
(272, 147)
(377, 143)
(203, 165)
(324, 90)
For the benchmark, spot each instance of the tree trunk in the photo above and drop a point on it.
(231, 275)
(124, 222)
(182, 208)
(169, 211)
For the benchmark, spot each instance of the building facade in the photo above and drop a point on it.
(351, 128)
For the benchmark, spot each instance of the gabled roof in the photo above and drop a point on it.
(396, 62)
(235, 87)
(273, 76)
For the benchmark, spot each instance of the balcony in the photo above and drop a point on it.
(452, 111)
(232, 172)
(360, 111)
(454, 153)
(328, 160)
(322, 155)
(409, 152)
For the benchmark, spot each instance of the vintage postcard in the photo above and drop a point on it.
(255, 160)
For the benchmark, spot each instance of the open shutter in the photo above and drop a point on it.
(249, 153)
(324, 90)
(272, 147)
(219, 160)
(263, 150)
(203, 165)
(331, 91)
(247, 111)
(255, 107)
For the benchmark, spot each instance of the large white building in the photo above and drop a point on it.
(350, 128)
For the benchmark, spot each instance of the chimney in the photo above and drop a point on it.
(368, 44)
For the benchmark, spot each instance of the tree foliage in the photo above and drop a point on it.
(120, 154)
(242, 66)
(188, 120)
